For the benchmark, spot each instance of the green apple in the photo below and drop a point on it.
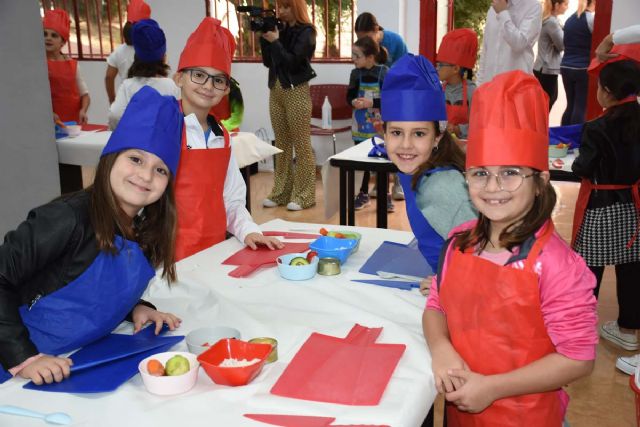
(177, 365)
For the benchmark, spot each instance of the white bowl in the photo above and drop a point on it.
(168, 385)
(200, 340)
(73, 130)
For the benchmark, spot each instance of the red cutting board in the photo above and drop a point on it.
(250, 260)
(347, 371)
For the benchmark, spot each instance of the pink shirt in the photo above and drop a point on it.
(566, 296)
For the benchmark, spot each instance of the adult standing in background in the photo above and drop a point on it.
(287, 54)
(120, 60)
(550, 47)
(577, 54)
(367, 25)
(511, 30)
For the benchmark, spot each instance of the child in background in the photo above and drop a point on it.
(69, 93)
(607, 214)
(72, 271)
(210, 191)
(511, 317)
(148, 69)
(455, 61)
(119, 61)
(430, 163)
(365, 83)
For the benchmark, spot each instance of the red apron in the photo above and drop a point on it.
(64, 89)
(586, 186)
(458, 114)
(495, 322)
(202, 217)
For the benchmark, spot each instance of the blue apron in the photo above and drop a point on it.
(92, 305)
(429, 241)
(365, 119)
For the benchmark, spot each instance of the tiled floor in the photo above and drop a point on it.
(604, 399)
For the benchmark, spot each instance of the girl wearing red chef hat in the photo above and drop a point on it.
(606, 223)
(69, 93)
(210, 191)
(511, 316)
(455, 61)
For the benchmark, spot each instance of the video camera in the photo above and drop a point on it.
(260, 19)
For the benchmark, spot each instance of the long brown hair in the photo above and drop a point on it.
(298, 9)
(154, 230)
(516, 233)
(447, 154)
(366, 22)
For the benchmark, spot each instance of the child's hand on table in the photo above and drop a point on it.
(425, 284)
(142, 315)
(475, 394)
(444, 360)
(254, 239)
(47, 369)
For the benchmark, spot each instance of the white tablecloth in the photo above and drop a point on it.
(262, 305)
(85, 149)
(331, 174)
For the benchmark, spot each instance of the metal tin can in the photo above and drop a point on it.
(273, 356)
(329, 266)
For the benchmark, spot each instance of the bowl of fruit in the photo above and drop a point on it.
(298, 266)
(168, 373)
(558, 150)
(344, 234)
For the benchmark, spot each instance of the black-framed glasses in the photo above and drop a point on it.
(509, 179)
(220, 81)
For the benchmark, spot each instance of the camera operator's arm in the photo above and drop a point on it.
(265, 47)
(296, 55)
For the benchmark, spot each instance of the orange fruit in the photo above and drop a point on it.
(155, 368)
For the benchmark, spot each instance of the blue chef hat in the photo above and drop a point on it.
(412, 92)
(149, 41)
(152, 123)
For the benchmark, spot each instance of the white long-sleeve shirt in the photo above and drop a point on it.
(130, 86)
(627, 35)
(239, 221)
(509, 37)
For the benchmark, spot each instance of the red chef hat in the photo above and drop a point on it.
(624, 51)
(58, 21)
(459, 47)
(210, 45)
(509, 123)
(138, 10)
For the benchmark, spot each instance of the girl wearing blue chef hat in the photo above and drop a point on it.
(149, 68)
(430, 163)
(77, 266)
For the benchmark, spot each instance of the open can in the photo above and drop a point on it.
(273, 356)
(329, 266)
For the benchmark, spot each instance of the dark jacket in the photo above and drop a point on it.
(372, 75)
(609, 154)
(289, 57)
(49, 250)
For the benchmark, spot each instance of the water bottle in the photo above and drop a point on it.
(326, 114)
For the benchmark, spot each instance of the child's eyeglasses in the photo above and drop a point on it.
(220, 81)
(443, 64)
(508, 179)
(356, 56)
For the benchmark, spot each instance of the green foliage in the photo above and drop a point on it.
(471, 14)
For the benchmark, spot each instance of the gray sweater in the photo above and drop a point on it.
(550, 47)
(444, 201)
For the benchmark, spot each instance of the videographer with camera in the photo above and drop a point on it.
(288, 43)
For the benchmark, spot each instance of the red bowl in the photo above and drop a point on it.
(236, 349)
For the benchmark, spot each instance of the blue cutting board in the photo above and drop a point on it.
(104, 365)
(397, 258)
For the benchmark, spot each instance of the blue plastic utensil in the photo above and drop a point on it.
(59, 418)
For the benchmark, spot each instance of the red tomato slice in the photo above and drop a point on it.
(311, 255)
